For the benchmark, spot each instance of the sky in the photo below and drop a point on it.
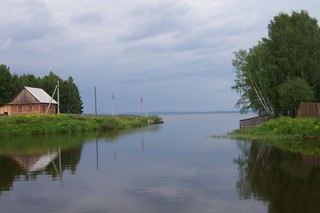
(175, 54)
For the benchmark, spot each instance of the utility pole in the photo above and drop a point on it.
(95, 101)
(143, 109)
(141, 101)
(113, 100)
(58, 86)
(54, 92)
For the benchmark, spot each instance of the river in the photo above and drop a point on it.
(172, 167)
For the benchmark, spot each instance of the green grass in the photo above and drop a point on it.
(62, 123)
(301, 135)
(284, 127)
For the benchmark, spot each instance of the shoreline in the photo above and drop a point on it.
(41, 124)
(300, 135)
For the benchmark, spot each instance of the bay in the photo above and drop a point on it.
(173, 167)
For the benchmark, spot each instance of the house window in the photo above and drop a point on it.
(43, 108)
(19, 108)
(30, 108)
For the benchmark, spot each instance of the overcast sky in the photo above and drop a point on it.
(176, 54)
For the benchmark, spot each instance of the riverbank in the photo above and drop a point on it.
(293, 134)
(62, 123)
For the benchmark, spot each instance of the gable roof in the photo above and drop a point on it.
(40, 95)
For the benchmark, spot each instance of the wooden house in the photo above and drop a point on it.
(30, 100)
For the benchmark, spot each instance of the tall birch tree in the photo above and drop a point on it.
(292, 50)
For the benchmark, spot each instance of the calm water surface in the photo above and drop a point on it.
(174, 167)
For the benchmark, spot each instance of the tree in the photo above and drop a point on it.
(291, 51)
(250, 75)
(292, 93)
(49, 82)
(7, 91)
(70, 99)
(29, 80)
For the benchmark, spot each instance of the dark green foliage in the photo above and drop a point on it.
(70, 100)
(48, 83)
(29, 80)
(292, 93)
(7, 90)
(290, 52)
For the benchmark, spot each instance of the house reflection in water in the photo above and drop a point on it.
(18, 162)
(35, 162)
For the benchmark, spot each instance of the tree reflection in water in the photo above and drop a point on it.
(26, 158)
(288, 182)
(30, 157)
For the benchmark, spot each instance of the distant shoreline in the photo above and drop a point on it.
(187, 112)
(158, 113)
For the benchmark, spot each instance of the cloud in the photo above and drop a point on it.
(155, 20)
(132, 48)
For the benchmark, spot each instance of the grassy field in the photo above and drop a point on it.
(62, 123)
(297, 135)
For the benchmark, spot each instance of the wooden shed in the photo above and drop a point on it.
(30, 100)
(309, 110)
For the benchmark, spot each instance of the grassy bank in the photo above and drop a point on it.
(283, 128)
(49, 124)
(297, 135)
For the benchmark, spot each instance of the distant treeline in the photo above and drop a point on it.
(11, 84)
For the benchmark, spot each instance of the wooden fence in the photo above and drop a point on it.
(309, 110)
(252, 122)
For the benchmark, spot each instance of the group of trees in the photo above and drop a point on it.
(283, 70)
(70, 100)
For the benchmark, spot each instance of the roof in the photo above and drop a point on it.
(40, 95)
(43, 161)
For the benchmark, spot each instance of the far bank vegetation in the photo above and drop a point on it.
(67, 123)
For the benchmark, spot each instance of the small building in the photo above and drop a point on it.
(30, 100)
(309, 110)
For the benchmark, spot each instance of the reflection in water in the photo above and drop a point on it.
(142, 140)
(112, 138)
(177, 169)
(288, 182)
(35, 156)
(30, 157)
(97, 154)
(114, 150)
(35, 162)
(28, 166)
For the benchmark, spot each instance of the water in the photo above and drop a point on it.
(174, 167)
